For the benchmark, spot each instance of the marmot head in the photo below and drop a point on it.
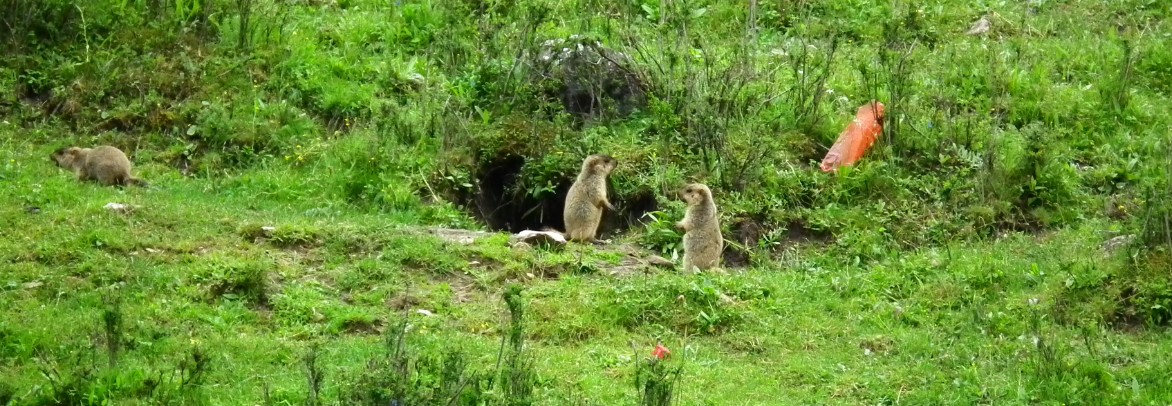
(696, 193)
(599, 164)
(65, 156)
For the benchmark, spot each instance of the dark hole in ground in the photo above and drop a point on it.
(746, 231)
(798, 232)
(496, 199)
(630, 214)
(1136, 313)
(503, 205)
(35, 93)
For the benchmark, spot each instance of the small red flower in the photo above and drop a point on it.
(660, 352)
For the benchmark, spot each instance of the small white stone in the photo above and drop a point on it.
(534, 237)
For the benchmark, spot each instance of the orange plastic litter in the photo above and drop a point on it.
(856, 139)
(660, 352)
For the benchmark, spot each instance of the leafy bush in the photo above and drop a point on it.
(661, 234)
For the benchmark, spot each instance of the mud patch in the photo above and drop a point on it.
(798, 232)
(638, 262)
(749, 232)
(361, 326)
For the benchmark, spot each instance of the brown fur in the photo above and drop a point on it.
(587, 198)
(703, 243)
(104, 164)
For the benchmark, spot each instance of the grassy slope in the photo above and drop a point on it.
(944, 323)
(800, 333)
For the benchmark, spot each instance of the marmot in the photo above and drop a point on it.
(587, 197)
(703, 243)
(104, 164)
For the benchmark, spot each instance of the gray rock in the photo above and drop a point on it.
(120, 208)
(980, 27)
(656, 260)
(588, 77)
(1117, 242)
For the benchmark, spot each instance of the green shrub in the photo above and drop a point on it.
(241, 131)
(661, 234)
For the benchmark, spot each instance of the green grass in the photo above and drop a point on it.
(950, 324)
(961, 262)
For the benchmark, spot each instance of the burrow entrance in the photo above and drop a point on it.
(501, 202)
(748, 230)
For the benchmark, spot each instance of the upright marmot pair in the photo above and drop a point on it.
(104, 164)
(703, 243)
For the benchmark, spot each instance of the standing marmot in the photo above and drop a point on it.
(703, 243)
(587, 197)
(105, 164)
